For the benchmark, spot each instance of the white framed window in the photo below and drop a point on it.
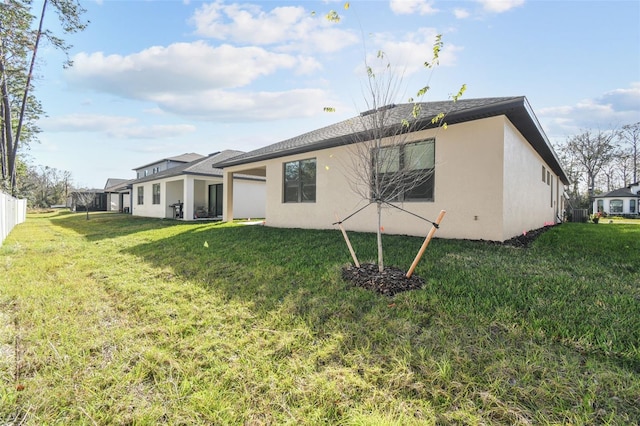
(155, 193)
(140, 195)
(405, 172)
(616, 206)
(299, 178)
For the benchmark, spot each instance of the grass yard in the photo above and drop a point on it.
(125, 320)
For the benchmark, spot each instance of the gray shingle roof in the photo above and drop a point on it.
(622, 192)
(182, 158)
(114, 182)
(516, 108)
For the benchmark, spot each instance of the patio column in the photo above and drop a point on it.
(188, 199)
(227, 197)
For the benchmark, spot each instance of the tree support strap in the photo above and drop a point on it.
(340, 222)
(435, 224)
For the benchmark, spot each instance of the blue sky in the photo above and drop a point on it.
(153, 79)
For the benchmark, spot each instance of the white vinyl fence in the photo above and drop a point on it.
(12, 212)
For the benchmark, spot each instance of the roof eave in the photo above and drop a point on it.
(517, 110)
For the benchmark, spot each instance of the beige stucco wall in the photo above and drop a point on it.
(529, 202)
(249, 199)
(470, 184)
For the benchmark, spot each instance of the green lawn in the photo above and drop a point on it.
(124, 320)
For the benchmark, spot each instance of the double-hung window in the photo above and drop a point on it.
(404, 172)
(155, 192)
(300, 181)
(140, 195)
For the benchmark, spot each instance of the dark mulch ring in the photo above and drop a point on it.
(393, 280)
(388, 282)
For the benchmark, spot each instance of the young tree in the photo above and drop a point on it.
(17, 42)
(83, 198)
(385, 169)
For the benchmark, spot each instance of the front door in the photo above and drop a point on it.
(215, 200)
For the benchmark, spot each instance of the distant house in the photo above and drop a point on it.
(623, 201)
(118, 195)
(494, 172)
(190, 190)
(165, 164)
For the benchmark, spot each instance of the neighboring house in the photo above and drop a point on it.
(165, 164)
(494, 172)
(623, 201)
(118, 192)
(193, 190)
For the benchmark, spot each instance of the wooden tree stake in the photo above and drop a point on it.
(425, 243)
(346, 238)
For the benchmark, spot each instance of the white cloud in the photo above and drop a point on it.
(154, 132)
(120, 127)
(219, 105)
(411, 52)
(408, 7)
(611, 110)
(180, 67)
(288, 28)
(197, 81)
(499, 6)
(461, 13)
(84, 122)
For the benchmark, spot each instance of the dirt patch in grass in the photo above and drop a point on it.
(393, 280)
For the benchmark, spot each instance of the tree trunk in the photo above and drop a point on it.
(379, 236)
(13, 154)
(7, 131)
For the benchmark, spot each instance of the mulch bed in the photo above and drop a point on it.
(393, 280)
(388, 282)
(525, 239)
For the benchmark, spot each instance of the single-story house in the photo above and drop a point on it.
(118, 193)
(193, 190)
(492, 169)
(623, 201)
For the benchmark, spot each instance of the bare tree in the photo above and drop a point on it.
(385, 168)
(630, 134)
(574, 173)
(592, 151)
(83, 198)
